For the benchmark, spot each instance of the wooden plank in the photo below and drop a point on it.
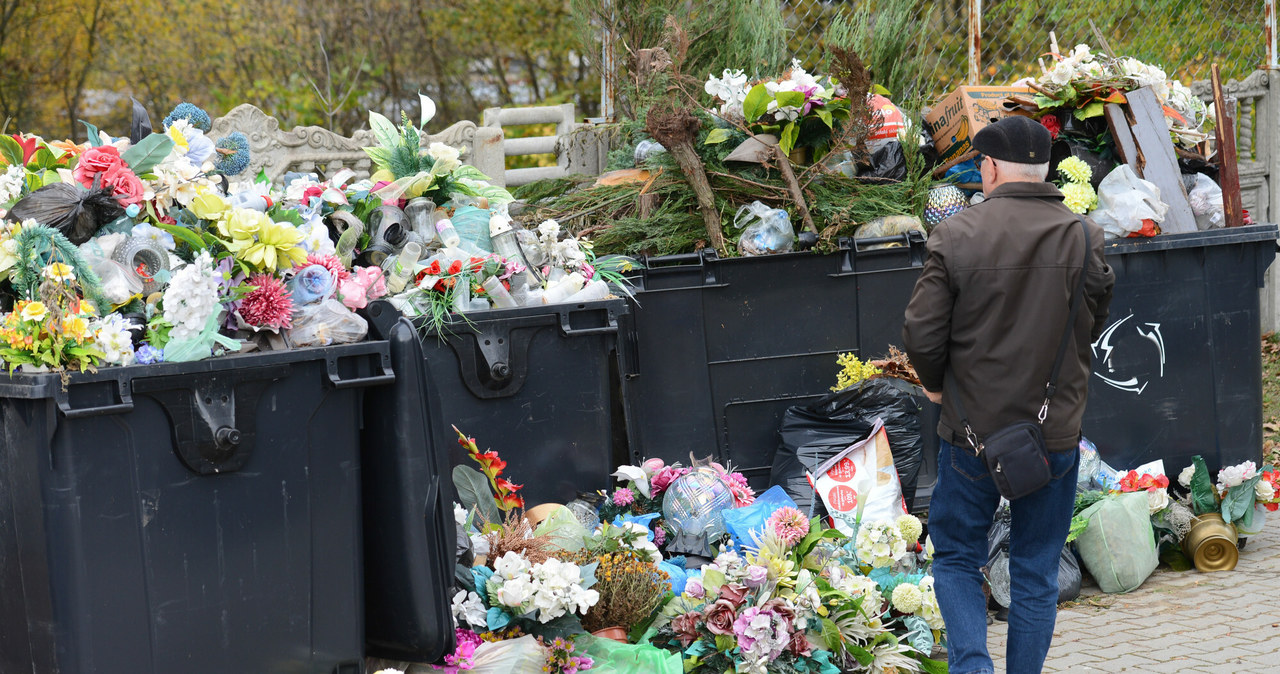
(1123, 135)
(1228, 168)
(1160, 163)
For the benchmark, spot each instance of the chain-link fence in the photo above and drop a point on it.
(1185, 37)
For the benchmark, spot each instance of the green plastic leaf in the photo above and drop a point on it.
(473, 493)
(790, 99)
(790, 134)
(1239, 500)
(831, 635)
(877, 89)
(148, 152)
(825, 115)
(262, 178)
(383, 130)
(712, 580)
(862, 655)
(919, 634)
(756, 103)
(1203, 498)
(185, 235)
(929, 666)
(94, 139)
(10, 151)
(725, 643)
(1094, 109)
(44, 158)
(717, 136)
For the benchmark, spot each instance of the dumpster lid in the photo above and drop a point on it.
(1213, 237)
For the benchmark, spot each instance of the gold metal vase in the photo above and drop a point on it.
(1211, 543)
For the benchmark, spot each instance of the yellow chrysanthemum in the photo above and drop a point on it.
(1074, 169)
(275, 247)
(59, 272)
(1079, 197)
(75, 327)
(907, 598)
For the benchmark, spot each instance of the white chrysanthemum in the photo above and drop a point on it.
(929, 604)
(906, 598)
(192, 297)
(11, 181)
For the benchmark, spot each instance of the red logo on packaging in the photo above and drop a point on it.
(842, 499)
(843, 470)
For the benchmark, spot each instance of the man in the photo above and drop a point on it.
(989, 310)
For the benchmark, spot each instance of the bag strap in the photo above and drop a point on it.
(1051, 387)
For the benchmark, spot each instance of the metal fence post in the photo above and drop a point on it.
(975, 41)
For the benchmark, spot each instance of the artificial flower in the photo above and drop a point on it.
(208, 205)
(94, 161)
(789, 525)
(34, 312)
(623, 497)
(1073, 169)
(59, 272)
(274, 246)
(1184, 478)
(1079, 197)
(231, 154)
(910, 527)
(125, 185)
(906, 598)
(268, 305)
(148, 355)
(148, 231)
(192, 296)
(1236, 475)
(197, 117)
(1051, 123)
(12, 180)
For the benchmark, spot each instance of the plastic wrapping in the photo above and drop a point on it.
(646, 149)
(812, 434)
(1206, 203)
(514, 656)
(619, 658)
(889, 225)
(472, 225)
(325, 323)
(887, 162)
(69, 208)
(1069, 576)
(1090, 463)
(1124, 201)
(1119, 547)
(860, 483)
(740, 522)
(764, 230)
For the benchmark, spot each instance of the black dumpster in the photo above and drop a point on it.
(1177, 371)
(724, 347)
(186, 517)
(535, 384)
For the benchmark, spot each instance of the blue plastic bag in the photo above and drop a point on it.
(740, 522)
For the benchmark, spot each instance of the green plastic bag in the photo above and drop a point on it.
(615, 656)
(1119, 545)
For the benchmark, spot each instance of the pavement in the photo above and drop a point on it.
(1226, 622)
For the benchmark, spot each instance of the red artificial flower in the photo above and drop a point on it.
(491, 463)
(29, 146)
(269, 304)
(1271, 507)
(455, 267)
(313, 191)
(1051, 123)
(96, 160)
(509, 501)
(507, 486)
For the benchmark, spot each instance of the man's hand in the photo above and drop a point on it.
(935, 397)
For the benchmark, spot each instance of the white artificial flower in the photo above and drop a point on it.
(1184, 478)
(192, 296)
(297, 187)
(113, 338)
(730, 90)
(459, 514)
(11, 182)
(929, 604)
(515, 592)
(468, 607)
(315, 238)
(1157, 500)
(510, 566)
(1264, 490)
(1232, 476)
(446, 158)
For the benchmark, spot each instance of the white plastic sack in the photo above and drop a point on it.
(514, 656)
(1124, 201)
(1206, 203)
(860, 483)
(1119, 545)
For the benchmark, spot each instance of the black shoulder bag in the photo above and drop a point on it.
(1015, 454)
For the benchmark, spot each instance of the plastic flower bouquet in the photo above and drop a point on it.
(547, 598)
(801, 108)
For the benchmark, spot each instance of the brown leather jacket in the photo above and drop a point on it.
(992, 303)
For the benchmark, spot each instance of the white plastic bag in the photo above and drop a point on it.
(325, 323)
(1206, 203)
(764, 230)
(860, 483)
(1119, 545)
(1124, 201)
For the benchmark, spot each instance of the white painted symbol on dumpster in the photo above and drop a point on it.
(1103, 349)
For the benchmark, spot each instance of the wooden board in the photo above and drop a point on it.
(1228, 170)
(1123, 136)
(1159, 162)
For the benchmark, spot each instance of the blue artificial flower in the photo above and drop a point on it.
(148, 355)
(236, 162)
(198, 118)
(199, 147)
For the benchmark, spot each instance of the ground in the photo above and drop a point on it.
(1188, 621)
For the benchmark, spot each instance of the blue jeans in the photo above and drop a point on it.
(960, 515)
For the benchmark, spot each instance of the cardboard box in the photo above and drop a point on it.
(962, 113)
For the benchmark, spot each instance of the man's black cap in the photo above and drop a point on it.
(1016, 139)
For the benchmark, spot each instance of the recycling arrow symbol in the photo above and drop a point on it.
(1103, 349)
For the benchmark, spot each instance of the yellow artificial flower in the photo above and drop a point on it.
(179, 140)
(34, 312)
(276, 247)
(75, 327)
(60, 272)
(208, 205)
(242, 223)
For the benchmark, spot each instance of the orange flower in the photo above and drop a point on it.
(70, 148)
(505, 485)
(490, 463)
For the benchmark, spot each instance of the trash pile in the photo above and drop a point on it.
(685, 568)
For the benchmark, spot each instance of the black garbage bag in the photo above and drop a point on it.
(69, 208)
(1069, 576)
(887, 162)
(811, 434)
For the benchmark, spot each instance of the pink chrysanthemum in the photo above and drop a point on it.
(332, 263)
(743, 494)
(624, 497)
(789, 524)
(269, 304)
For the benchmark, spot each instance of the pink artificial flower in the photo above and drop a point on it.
(332, 263)
(652, 466)
(756, 576)
(663, 479)
(269, 305)
(624, 497)
(743, 494)
(96, 160)
(365, 285)
(124, 184)
(659, 536)
(789, 524)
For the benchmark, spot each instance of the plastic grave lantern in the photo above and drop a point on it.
(693, 503)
